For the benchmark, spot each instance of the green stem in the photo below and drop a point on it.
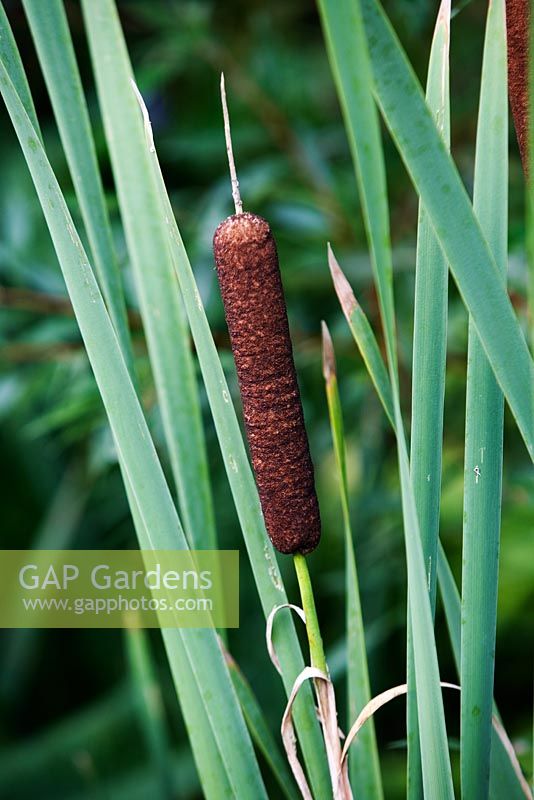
(315, 641)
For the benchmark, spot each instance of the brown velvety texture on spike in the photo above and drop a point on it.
(517, 17)
(251, 288)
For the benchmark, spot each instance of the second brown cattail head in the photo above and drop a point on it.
(517, 25)
(251, 288)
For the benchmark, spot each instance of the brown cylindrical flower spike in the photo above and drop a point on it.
(517, 24)
(255, 309)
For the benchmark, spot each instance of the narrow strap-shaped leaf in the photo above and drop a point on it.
(428, 377)
(435, 762)
(161, 307)
(451, 214)
(347, 50)
(430, 328)
(51, 35)
(347, 47)
(260, 732)
(210, 767)
(503, 780)
(484, 431)
(363, 335)
(10, 56)
(364, 764)
(160, 525)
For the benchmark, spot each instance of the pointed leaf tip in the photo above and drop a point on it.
(342, 286)
(444, 14)
(443, 21)
(329, 358)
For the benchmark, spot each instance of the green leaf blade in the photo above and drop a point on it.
(451, 214)
(161, 306)
(260, 732)
(363, 336)
(484, 432)
(51, 36)
(503, 779)
(11, 58)
(428, 377)
(343, 26)
(430, 329)
(350, 66)
(364, 764)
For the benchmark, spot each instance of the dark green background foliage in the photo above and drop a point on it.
(68, 722)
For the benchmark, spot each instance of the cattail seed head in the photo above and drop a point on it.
(517, 24)
(251, 288)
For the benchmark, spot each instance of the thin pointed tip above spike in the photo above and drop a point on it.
(229, 150)
(341, 285)
(329, 358)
